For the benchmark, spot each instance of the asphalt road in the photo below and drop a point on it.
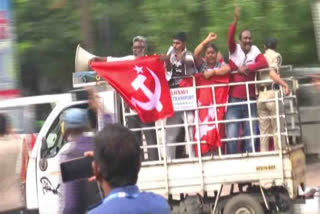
(312, 206)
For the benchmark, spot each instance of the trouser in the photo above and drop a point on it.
(172, 134)
(232, 128)
(267, 125)
(150, 135)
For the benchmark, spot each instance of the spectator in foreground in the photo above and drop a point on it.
(13, 155)
(76, 196)
(116, 166)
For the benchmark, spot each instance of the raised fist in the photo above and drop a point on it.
(211, 37)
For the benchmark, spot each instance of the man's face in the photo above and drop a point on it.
(246, 41)
(138, 49)
(210, 56)
(178, 45)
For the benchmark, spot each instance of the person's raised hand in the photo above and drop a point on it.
(236, 13)
(211, 37)
(94, 100)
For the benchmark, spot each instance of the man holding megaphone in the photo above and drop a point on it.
(139, 47)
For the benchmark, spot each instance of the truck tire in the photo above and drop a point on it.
(243, 204)
(191, 205)
(218, 210)
(284, 204)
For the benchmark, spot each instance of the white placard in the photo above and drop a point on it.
(183, 98)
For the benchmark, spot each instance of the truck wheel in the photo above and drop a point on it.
(243, 204)
(218, 210)
(284, 204)
(191, 205)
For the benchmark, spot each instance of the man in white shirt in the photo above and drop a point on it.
(139, 47)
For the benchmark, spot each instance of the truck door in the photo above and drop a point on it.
(49, 179)
(48, 168)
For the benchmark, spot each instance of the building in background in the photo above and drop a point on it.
(8, 72)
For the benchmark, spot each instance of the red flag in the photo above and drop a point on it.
(209, 132)
(141, 83)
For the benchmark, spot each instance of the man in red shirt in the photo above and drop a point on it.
(246, 59)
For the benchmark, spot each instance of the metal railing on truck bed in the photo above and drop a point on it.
(204, 173)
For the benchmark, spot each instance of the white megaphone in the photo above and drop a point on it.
(82, 59)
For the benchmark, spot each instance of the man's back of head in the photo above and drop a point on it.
(117, 155)
(116, 167)
(270, 43)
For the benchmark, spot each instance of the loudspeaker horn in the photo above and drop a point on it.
(82, 59)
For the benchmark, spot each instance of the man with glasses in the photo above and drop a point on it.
(139, 47)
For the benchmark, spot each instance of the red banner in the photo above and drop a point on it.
(141, 83)
(209, 132)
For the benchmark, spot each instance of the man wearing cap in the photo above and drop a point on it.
(79, 194)
(180, 63)
(246, 59)
(267, 91)
(139, 47)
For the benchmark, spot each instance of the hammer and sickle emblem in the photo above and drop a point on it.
(154, 98)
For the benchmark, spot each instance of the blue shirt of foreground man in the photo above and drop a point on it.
(116, 166)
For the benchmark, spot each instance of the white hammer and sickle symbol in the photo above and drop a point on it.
(154, 98)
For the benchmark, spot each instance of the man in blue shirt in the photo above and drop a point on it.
(116, 166)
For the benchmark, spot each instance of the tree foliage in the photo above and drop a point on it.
(49, 30)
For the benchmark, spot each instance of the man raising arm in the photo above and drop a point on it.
(246, 59)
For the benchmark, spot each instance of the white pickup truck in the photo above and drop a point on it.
(257, 182)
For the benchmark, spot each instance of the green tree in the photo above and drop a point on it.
(49, 30)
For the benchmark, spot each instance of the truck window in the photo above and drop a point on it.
(27, 119)
(41, 113)
(53, 141)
